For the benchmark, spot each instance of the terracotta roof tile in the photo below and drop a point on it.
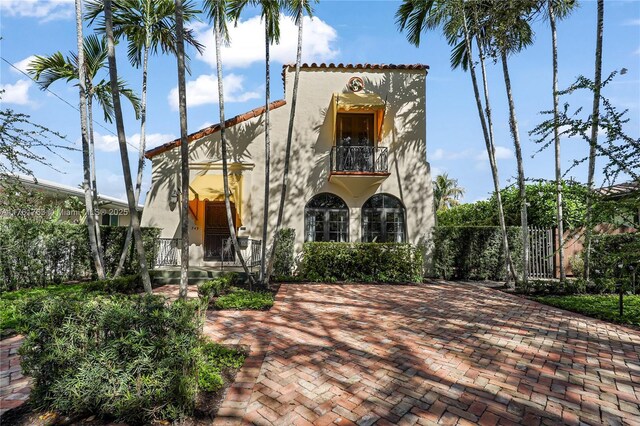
(213, 129)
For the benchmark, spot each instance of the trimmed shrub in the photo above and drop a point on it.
(216, 287)
(362, 262)
(244, 299)
(283, 257)
(130, 284)
(133, 358)
(36, 253)
(474, 252)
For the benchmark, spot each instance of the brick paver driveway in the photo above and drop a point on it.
(440, 353)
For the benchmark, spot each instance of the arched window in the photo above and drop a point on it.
(326, 218)
(383, 220)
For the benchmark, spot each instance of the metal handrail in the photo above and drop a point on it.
(369, 159)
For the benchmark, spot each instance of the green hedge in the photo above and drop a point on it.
(612, 255)
(474, 252)
(362, 262)
(39, 253)
(132, 358)
(283, 257)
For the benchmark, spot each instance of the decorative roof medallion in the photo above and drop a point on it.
(355, 84)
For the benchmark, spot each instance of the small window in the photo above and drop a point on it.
(383, 220)
(110, 219)
(326, 218)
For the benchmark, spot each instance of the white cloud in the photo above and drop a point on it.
(17, 93)
(23, 64)
(204, 90)
(109, 143)
(633, 22)
(441, 154)
(45, 10)
(247, 43)
(501, 153)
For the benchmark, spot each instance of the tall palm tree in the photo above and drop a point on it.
(298, 9)
(184, 153)
(446, 192)
(593, 142)
(122, 141)
(216, 11)
(418, 16)
(149, 27)
(86, 163)
(270, 13)
(558, 9)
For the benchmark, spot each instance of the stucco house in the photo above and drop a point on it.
(112, 211)
(358, 169)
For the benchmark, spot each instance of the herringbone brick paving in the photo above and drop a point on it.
(435, 354)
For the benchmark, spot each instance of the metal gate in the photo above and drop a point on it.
(541, 253)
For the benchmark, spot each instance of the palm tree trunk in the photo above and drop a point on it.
(86, 162)
(94, 185)
(556, 136)
(225, 168)
(141, 149)
(122, 142)
(287, 154)
(594, 140)
(267, 162)
(184, 154)
(513, 124)
(488, 138)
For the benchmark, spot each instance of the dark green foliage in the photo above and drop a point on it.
(362, 262)
(214, 361)
(244, 299)
(615, 256)
(541, 197)
(216, 287)
(133, 358)
(473, 252)
(283, 257)
(129, 284)
(598, 306)
(37, 253)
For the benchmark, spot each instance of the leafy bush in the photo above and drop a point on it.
(133, 358)
(613, 255)
(474, 252)
(35, 253)
(245, 299)
(283, 257)
(130, 284)
(216, 287)
(362, 262)
(214, 361)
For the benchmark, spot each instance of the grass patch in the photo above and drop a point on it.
(244, 299)
(217, 360)
(604, 307)
(10, 300)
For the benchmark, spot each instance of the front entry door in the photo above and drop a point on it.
(216, 232)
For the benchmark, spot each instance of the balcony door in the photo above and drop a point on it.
(355, 136)
(216, 232)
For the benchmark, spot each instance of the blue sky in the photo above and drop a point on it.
(342, 31)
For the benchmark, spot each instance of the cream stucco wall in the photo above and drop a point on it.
(404, 133)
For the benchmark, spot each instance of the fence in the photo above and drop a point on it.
(169, 253)
(541, 253)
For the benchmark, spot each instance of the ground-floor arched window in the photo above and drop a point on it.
(383, 220)
(326, 218)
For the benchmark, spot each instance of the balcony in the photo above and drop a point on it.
(356, 168)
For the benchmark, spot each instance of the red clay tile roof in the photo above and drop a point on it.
(363, 66)
(213, 129)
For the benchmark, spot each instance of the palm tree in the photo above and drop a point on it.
(270, 13)
(564, 7)
(122, 141)
(148, 26)
(49, 69)
(593, 142)
(86, 166)
(184, 154)
(298, 8)
(446, 192)
(416, 17)
(217, 12)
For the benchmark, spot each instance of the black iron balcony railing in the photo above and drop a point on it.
(366, 159)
